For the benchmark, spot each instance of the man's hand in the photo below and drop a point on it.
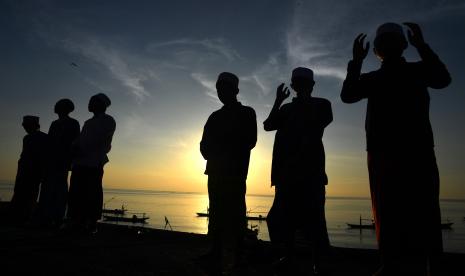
(360, 52)
(282, 93)
(415, 36)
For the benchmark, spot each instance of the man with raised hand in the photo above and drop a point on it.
(298, 168)
(404, 177)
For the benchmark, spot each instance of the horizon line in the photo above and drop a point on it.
(203, 193)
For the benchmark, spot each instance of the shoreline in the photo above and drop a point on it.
(134, 250)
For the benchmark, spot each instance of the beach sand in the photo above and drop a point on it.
(122, 250)
(129, 250)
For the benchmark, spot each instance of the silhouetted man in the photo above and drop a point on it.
(54, 190)
(31, 170)
(404, 177)
(90, 155)
(228, 137)
(298, 168)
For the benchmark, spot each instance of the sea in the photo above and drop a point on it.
(178, 211)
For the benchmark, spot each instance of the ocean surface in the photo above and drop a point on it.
(180, 209)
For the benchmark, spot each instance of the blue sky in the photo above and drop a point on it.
(158, 61)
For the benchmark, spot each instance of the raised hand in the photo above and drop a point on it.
(282, 93)
(415, 36)
(360, 51)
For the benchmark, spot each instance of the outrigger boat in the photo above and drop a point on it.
(257, 218)
(445, 225)
(121, 211)
(133, 219)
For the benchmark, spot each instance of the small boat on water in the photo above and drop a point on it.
(132, 219)
(256, 218)
(444, 225)
(121, 211)
(361, 226)
(447, 225)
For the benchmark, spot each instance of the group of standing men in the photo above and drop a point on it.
(402, 168)
(46, 160)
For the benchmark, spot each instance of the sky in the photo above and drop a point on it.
(158, 61)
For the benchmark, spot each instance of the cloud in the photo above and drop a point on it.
(131, 76)
(208, 84)
(217, 45)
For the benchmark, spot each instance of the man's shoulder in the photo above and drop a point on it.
(247, 109)
(321, 101)
(372, 74)
(286, 106)
(72, 121)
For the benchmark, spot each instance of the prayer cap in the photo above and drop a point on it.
(390, 27)
(302, 72)
(103, 98)
(29, 119)
(229, 77)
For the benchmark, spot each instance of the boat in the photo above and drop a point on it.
(121, 211)
(361, 226)
(203, 215)
(447, 225)
(259, 218)
(444, 225)
(132, 219)
(256, 218)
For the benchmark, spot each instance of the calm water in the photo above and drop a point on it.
(181, 208)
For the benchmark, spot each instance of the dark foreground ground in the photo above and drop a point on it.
(121, 250)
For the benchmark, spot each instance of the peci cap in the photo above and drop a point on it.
(30, 119)
(228, 77)
(392, 28)
(302, 72)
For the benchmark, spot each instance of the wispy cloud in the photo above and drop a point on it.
(267, 75)
(218, 45)
(117, 63)
(208, 84)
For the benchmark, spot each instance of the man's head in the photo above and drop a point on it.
(227, 87)
(302, 80)
(390, 41)
(31, 123)
(63, 107)
(99, 103)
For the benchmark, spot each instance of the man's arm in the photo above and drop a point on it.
(435, 72)
(205, 143)
(251, 139)
(328, 112)
(272, 122)
(353, 88)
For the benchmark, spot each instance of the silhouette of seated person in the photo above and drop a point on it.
(89, 157)
(298, 167)
(54, 190)
(31, 170)
(404, 177)
(229, 135)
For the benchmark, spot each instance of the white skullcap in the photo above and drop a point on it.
(302, 72)
(228, 77)
(390, 27)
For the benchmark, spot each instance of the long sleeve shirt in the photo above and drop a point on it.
(228, 137)
(398, 100)
(298, 152)
(94, 142)
(34, 155)
(62, 133)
